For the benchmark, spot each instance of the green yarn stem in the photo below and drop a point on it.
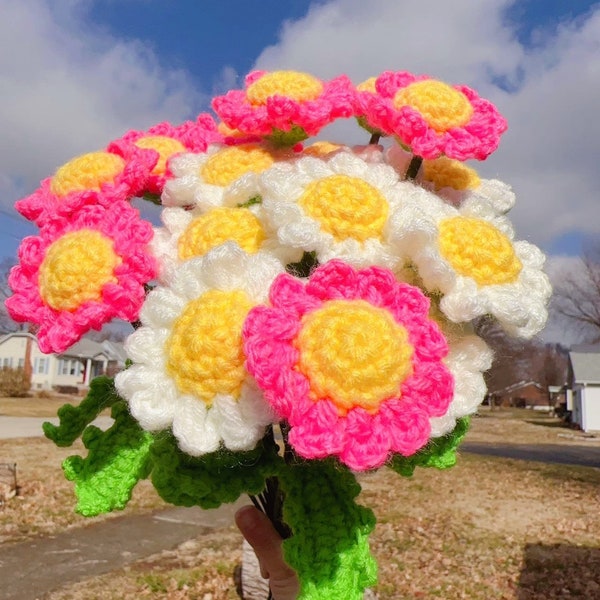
(286, 139)
(439, 452)
(413, 167)
(215, 478)
(74, 419)
(329, 547)
(117, 459)
(305, 266)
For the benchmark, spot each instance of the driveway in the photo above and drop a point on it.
(586, 456)
(19, 427)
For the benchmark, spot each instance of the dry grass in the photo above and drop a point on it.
(488, 529)
(35, 407)
(45, 501)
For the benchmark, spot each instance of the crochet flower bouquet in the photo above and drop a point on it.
(304, 313)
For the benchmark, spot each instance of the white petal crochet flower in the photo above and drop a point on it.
(188, 370)
(338, 207)
(469, 255)
(468, 358)
(200, 180)
(190, 234)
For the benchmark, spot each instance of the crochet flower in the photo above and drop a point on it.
(188, 371)
(351, 361)
(286, 106)
(189, 234)
(338, 207)
(164, 141)
(431, 117)
(201, 179)
(469, 256)
(93, 178)
(82, 272)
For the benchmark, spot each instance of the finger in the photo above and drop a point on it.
(266, 542)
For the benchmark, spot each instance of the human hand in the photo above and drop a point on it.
(266, 542)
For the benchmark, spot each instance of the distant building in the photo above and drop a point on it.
(71, 370)
(584, 385)
(523, 394)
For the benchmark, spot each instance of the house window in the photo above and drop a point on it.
(21, 363)
(7, 362)
(41, 365)
(63, 366)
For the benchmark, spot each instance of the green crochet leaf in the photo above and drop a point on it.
(439, 452)
(74, 419)
(117, 459)
(213, 479)
(329, 547)
(286, 139)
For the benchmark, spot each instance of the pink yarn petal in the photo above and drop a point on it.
(333, 280)
(407, 426)
(367, 441)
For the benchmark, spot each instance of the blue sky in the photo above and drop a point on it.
(77, 73)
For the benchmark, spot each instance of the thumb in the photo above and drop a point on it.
(266, 542)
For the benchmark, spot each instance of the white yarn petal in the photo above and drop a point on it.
(200, 424)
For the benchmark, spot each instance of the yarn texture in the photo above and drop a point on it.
(302, 312)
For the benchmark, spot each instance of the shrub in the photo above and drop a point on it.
(14, 382)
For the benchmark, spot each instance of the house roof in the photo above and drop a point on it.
(519, 385)
(585, 360)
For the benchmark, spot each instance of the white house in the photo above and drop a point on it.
(584, 380)
(74, 368)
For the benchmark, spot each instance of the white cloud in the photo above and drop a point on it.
(69, 87)
(550, 152)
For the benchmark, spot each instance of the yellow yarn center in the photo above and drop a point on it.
(165, 146)
(301, 87)
(219, 226)
(321, 149)
(439, 104)
(229, 164)
(478, 250)
(445, 172)
(76, 268)
(204, 351)
(368, 85)
(346, 207)
(354, 354)
(86, 172)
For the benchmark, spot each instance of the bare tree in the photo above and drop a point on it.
(576, 297)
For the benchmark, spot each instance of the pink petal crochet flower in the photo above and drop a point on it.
(431, 117)
(80, 273)
(351, 361)
(163, 141)
(286, 105)
(94, 178)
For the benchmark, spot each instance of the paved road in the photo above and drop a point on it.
(29, 570)
(587, 456)
(17, 427)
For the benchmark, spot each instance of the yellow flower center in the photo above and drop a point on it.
(301, 87)
(76, 268)
(219, 226)
(478, 250)
(439, 104)
(165, 146)
(204, 351)
(445, 172)
(368, 85)
(346, 207)
(86, 172)
(354, 354)
(229, 164)
(321, 149)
